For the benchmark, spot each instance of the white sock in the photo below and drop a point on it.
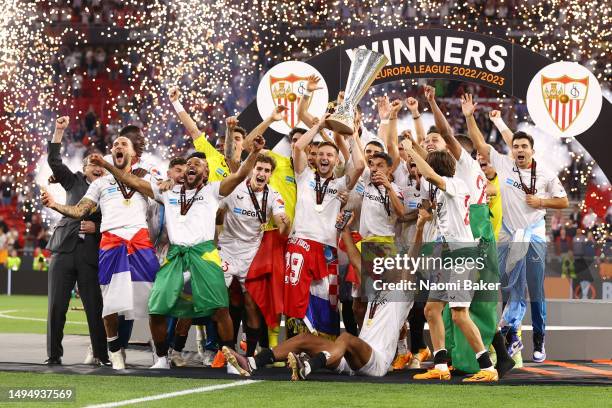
(480, 353)
(252, 363)
(441, 367)
(307, 368)
(402, 347)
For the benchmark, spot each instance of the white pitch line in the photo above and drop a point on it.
(34, 319)
(173, 394)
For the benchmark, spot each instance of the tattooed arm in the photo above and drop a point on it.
(79, 211)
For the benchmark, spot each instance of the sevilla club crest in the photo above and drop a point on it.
(564, 98)
(288, 91)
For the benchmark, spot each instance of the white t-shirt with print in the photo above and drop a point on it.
(120, 216)
(453, 211)
(375, 221)
(309, 223)
(474, 178)
(517, 214)
(242, 232)
(198, 225)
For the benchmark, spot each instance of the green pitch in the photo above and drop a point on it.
(99, 389)
(35, 307)
(92, 389)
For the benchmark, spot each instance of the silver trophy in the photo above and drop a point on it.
(364, 68)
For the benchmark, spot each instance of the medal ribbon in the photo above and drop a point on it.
(125, 191)
(260, 211)
(321, 190)
(533, 178)
(385, 198)
(186, 204)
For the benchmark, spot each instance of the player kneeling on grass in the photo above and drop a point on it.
(449, 196)
(370, 354)
(193, 256)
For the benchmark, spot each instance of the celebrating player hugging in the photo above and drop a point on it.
(248, 239)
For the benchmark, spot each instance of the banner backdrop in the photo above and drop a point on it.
(447, 54)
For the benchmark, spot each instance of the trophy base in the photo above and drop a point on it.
(339, 126)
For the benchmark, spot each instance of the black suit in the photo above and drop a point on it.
(74, 260)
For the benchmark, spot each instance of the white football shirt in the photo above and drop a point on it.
(120, 216)
(198, 225)
(453, 211)
(242, 232)
(309, 223)
(517, 214)
(431, 232)
(382, 323)
(374, 220)
(474, 178)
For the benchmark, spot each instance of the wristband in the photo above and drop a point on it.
(307, 93)
(413, 118)
(384, 121)
(499, 124)
(178, 107)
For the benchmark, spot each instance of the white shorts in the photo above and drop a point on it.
(235, 268)
(375, 367)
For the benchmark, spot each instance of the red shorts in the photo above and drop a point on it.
(305, 261)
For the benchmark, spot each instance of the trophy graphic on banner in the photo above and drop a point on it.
(364, 68)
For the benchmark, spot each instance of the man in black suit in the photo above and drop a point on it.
(75, 245)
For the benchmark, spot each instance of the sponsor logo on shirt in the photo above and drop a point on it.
(112, 189)
(414, 204)
(312, 185)
(359, 188)
(242, 211)
(220, 172)
(290, 179)
(374, 197)
(175, 201)
(516, 184)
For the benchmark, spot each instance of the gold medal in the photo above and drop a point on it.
(127, 202)
(262, 227)
(369, 322)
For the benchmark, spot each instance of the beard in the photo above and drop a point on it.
(191, 184)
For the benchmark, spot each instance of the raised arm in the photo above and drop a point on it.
(231, 182)
(190, 125)
(61, 172)
(424, 167)
(442, 124)
(275, 116)
(413, 107)
(506, 133)
(129, 179)
(384, 110)
(341, 143)
(300, 160)
(312, 85)
(359, 163)
(232, 155)
(79, 211)
(468, 107)
(391, 134)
